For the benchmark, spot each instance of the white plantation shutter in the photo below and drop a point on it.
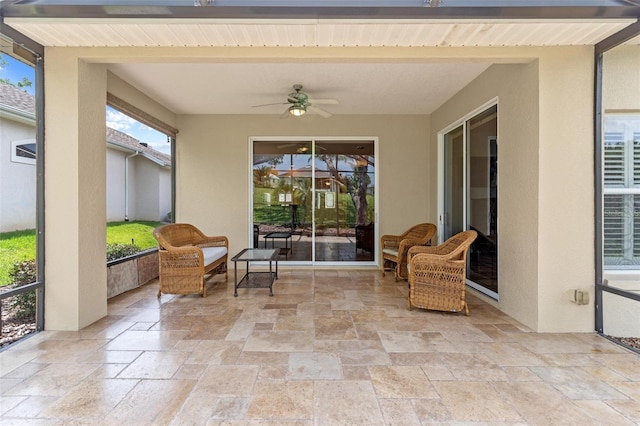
(636, 159)
(621, 215)
(613, 227)
(614, 159)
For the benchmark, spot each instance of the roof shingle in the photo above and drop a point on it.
(17, 98)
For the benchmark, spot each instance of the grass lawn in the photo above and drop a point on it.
(21, 245)
(15, 247)
(138, 233)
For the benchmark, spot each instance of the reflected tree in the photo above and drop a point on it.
(357, 184)
(261, 175)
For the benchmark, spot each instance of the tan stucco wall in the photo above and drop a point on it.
(545, 175)
(566, 195)
(75, 193)
(213, 167)
(621, 88)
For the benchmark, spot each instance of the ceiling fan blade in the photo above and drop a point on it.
(324, 101)
(285, 114)
(301, 147)
(319, 111)
(263, 105)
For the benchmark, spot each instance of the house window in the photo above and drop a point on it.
(24, 151)
(621, 216)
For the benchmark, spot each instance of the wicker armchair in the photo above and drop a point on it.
(437, 277)
(395, 247)
(185, 255)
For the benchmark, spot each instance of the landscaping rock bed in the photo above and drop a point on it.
(632, 342)
(13, 327)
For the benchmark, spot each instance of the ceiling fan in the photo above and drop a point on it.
(299, 103)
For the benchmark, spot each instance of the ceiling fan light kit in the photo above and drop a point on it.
(299, 103)
(297, 110)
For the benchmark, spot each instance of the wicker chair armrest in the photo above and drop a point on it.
(405, 245)
(214, 241)
(390, 241)
(188, 256)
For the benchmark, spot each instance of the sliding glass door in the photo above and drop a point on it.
(470, 193)
(315, 199)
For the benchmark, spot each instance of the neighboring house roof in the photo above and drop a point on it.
(17, 98)
(17, 104)
(125, 141)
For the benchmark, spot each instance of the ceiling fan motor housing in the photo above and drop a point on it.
(298, 97)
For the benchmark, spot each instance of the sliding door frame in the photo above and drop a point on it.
(314, 140)
(463, 121)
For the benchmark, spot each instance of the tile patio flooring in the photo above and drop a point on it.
(331, 347)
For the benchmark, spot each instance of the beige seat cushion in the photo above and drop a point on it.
(390, 251)
(211, 254)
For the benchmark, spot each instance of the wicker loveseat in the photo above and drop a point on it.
(186, 255)
(395, 247)
(437, 275)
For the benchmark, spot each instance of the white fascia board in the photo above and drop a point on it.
(126, 148)
(152, 158)
(120, 147)
(18, 115)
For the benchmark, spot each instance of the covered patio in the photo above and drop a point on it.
(330, 347)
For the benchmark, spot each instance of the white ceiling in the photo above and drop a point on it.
(380, 88)
(198, 87)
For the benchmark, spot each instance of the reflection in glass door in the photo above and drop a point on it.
(470, 194)
(315, 200)
(345, 200)
(282, 198)
(452, 220)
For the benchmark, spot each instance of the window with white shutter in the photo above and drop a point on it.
(621, 215)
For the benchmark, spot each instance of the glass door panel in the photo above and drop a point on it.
(482, 204)
(344, 201)
(282, 197)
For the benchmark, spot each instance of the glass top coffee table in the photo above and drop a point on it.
(255, 279)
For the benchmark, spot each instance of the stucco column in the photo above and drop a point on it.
(75, 192)
(566, 196)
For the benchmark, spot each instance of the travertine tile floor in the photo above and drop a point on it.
(331, 347)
